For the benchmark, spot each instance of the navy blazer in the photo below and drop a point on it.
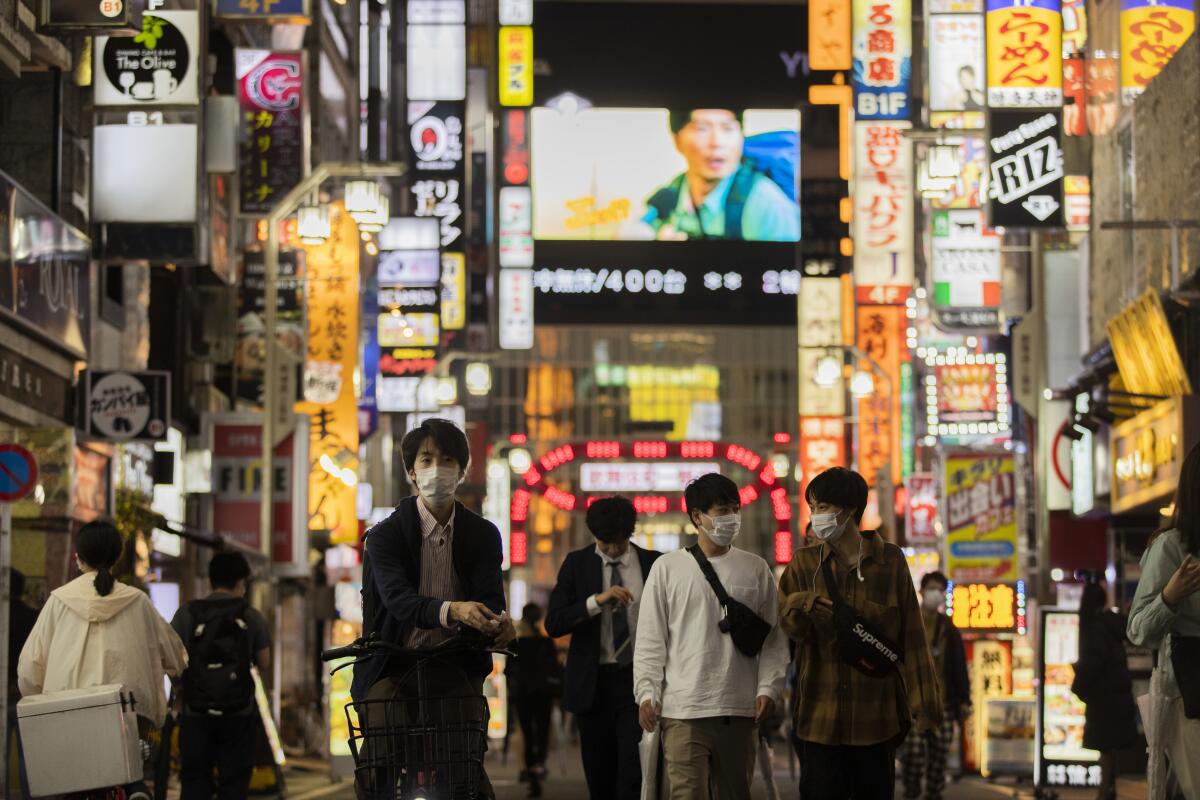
(392, 604)
(581, 576)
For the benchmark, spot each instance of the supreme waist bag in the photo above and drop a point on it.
(860, 643)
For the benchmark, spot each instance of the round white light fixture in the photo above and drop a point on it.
(829, 370)
(862, 384)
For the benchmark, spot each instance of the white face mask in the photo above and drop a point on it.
(437, 484)
(933, 598)
(724, 529)
(826, 528)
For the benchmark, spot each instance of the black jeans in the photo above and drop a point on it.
(227, 743)
(609, 735)
(534, 715)
(846, 772)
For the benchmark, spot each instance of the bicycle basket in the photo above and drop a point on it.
(426, 740)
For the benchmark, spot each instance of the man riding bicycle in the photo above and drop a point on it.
(431, 567)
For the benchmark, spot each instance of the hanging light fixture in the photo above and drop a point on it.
(943, 161)
(362, 199)
(312, 224)
(376, 220)
(829, 369)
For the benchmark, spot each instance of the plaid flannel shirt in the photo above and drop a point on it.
(835, 704)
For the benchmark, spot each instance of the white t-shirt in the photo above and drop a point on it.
(683, 660)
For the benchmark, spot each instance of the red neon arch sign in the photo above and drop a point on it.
(764, 484)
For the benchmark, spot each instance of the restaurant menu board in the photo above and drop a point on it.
(1009, 735)
(1062, 758)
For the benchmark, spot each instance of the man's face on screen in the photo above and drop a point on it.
(711, 143)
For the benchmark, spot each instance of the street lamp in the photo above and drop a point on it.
(312, 224)
(862, 384)
(829, 369)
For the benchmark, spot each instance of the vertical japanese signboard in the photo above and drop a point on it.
(822, 445)
(883, 213)
(516, 309)
(980, 517)
(1062, 760)
(921, 509)
(1026, 165)
(829, 43)
(881, 339)
(516, 65)
(882, 48)
(436, 139)
(1152, 31)
(333, 327)
(272, 137)
(1024, 53)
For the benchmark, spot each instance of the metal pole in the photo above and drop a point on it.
(5, 604)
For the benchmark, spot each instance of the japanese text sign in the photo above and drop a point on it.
(956, 62)
(922, 509)
(436, 153)
(1151, 33)
(881, 339)
(984, 607)
(516, 66)
(883, 207)
(128, 406)
(829, 35)
(882, 48)
(980, 518)
(822, 445)
(272, 136)
(1024, 53)
(333, 328)
(1026, 166)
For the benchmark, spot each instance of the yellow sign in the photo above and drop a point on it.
(1145, 350)
(829, 35)
(991, 676)
(980, 606)
(1152, 31)
(980, 516)
(1024, 53)
(1147, 454)
(454, 291)
(516, 66)
(333, 325)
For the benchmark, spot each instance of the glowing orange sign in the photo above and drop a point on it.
(881, 339)
(829, 34)
(984, 607)
(1151, 33)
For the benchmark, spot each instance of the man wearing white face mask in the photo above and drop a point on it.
(433, 564)
(849, 716)
(707, 692)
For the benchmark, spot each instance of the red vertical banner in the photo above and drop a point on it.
(822, 445)
(881, 340)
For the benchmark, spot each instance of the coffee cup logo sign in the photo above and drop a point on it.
(125, 406)
(154, 67)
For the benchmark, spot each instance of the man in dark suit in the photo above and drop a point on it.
(430, 567)
(596, 601)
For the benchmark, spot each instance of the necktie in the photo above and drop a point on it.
(620, 624)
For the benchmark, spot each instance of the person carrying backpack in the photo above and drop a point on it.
(224, 637)
(735, 187)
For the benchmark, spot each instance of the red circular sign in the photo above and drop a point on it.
(18, 472)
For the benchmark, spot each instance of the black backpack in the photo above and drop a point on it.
(220, 653)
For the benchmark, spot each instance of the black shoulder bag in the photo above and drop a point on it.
(747, 629)
(860, 643)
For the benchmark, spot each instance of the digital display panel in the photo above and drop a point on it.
(680, 174)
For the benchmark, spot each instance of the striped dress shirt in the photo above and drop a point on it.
(437, 574)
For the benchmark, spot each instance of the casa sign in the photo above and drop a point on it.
(1148, 452)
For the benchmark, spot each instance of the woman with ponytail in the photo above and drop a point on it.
(95, 631)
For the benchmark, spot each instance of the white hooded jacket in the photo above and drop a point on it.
(82, 639)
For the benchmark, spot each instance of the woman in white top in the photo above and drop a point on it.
(94, 631)
(1166, 617)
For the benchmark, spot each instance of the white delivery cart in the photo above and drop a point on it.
(80, 739)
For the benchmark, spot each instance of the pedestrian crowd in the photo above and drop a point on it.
(681, 667)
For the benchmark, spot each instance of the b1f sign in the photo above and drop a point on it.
(882, 59)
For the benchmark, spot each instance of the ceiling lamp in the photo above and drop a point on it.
(312, 224)
(362, 199)
(377, 220)
(943, 161)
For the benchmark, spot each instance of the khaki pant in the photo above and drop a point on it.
(716, 749)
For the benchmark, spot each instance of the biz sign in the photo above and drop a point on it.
(1026, 169)
(882, 48)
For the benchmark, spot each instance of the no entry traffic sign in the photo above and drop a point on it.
(18, 472)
